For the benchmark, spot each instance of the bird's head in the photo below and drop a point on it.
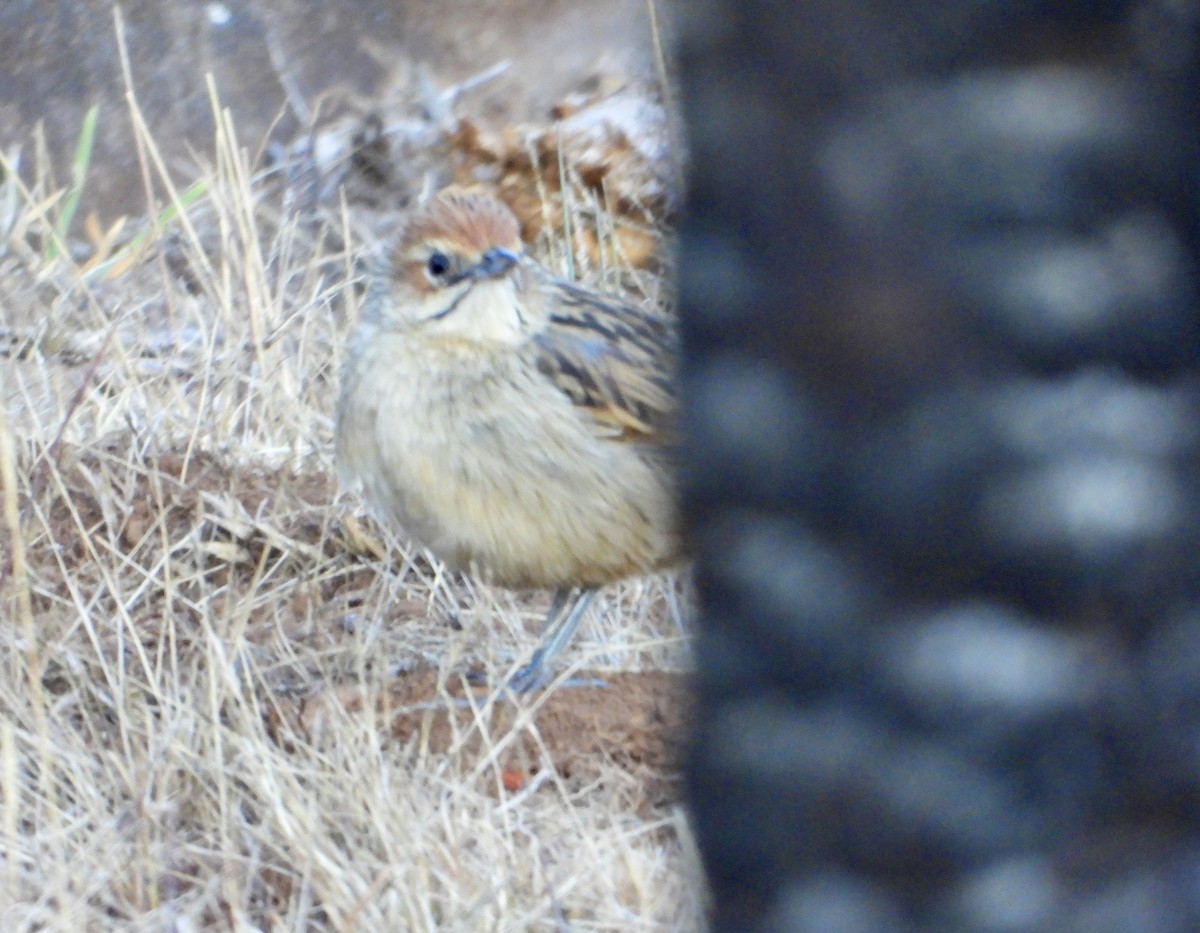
(456, 271)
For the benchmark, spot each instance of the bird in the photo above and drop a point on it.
(519, 426)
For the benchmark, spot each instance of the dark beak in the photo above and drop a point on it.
(495, 263)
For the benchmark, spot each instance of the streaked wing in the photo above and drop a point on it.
(613, 359)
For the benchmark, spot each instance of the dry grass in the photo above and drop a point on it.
(178, 572)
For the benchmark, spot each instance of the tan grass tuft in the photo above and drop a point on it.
(180, 579)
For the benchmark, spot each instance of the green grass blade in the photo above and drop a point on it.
(187, 198)
(79, 169)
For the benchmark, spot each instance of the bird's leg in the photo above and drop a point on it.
(561, 621)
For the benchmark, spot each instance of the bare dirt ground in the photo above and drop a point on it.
(234, 701)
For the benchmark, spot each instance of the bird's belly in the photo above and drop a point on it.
(525, 495)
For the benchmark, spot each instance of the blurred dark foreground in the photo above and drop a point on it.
(939, 289)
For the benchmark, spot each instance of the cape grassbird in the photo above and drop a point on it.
(517, 425)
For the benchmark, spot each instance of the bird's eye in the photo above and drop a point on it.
(438, 265)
